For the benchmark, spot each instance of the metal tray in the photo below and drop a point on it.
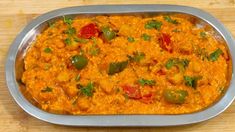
(14, 67)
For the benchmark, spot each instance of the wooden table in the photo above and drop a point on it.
(15, 14)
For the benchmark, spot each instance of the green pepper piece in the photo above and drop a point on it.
(117, 67)
(79, 61)
(108, 33)
(175, 96)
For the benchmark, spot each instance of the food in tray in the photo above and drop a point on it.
(124, 64)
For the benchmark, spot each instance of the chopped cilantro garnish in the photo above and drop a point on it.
(170, 20)
(191, 81)
(215, 55)
(137, 56)
(47, 89)
(47, 50)
(131, 39)
(153, 24)
(146, 37)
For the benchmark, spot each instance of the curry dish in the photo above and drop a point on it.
(124, 64)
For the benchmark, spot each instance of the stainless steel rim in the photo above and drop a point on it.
(118, 120)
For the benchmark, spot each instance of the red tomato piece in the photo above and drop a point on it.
(88, 31)
(147, 98)
(165, 42)
(132, 92)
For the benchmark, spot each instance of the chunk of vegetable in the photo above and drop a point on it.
(215, 55)
(89, 31)
(175, 96)
(108, 33)
(79, 61)
(165, 42)
(143, 82)
(153, 24)
(116, 67)
(132, 92)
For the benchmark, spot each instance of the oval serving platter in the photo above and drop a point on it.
(14, 68)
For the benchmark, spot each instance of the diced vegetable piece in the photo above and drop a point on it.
(131, 39)
(165, 42)
(215, 55)
(116, 67)
(47, 50)
(88, 31)
(79, 61)
(192, 81)
(80, 40)
(176, 78)
(170, 20)
(143, 82)
(132, 92)
(87, 90)
(175, 96)
(108, 33)
(46, 89)
(153, 24)
(137, 56)
(146, 37)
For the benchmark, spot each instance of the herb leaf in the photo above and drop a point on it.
(131, 39)
(138, 56)
(192, 81)
(46, 89)
(116, 67)
(203, 34)
(170, 20)
(68, 41)
(67, 20)
(94, 50)
(146, 37)
(180, 63)
(51, 24)
(215, 55)
(88, 89)
(153, 24)
(47, 50)
(143, 82)
(70, 31)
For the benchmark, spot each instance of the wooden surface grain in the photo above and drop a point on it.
(15, 14)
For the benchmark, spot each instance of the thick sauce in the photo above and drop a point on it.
(126, 65)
